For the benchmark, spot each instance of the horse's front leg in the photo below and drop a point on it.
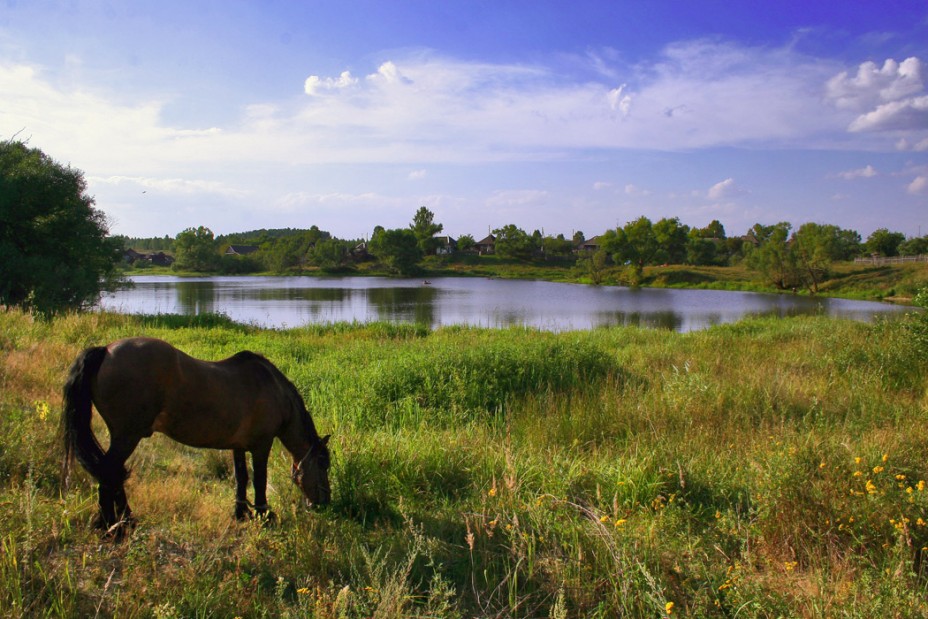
(259, 459)
(241, 485)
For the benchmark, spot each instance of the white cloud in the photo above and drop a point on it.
(866, 172)
(618, 101)
(315, 85)
(887, 98)
(634, 190)
(909, 114)
(919, 186)
(873, 85)
(600, 185)
(724, 190)
(417, 175)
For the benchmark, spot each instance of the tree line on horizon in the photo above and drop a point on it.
(787, 258)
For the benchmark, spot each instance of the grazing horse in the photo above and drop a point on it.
(140, 386)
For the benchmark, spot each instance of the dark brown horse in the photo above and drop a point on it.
(140, 386)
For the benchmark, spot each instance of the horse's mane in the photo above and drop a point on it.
(296, 400)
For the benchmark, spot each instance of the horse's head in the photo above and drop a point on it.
(311, 473)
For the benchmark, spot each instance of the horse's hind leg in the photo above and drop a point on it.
(106, 517)
(241, 485)
(119, 451)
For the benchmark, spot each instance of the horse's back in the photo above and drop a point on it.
(146, 385)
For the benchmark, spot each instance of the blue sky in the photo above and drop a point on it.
(550, 115)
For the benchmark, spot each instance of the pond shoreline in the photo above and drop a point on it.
(891, 283)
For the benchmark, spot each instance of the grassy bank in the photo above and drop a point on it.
(767, 468)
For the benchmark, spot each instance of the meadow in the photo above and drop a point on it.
(769, 468)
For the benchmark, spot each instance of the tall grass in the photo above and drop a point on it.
(774, 467)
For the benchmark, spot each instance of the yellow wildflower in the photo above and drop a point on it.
(620, 521)
(857, 460)
(900, 477)
(668, 607)
(303, 590)
(789, 566)
(877, 470)
(921, 485)
(858, 474)
(604, 518)
(885, 457)
(871, 487)
(492, 491)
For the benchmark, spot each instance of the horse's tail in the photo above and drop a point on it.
(79, 439)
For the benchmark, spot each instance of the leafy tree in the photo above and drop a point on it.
(715, 230)
(557, 246)
(772, 256)
(613, 243)
(195, 250)
(885, 243)
(330, 254)
(54, 251)
(702, 251)
(641, 246)
(815, 247)
(425, 229)
(847, 244)
(578, 238)
(671, 237)
(285, 252)
(398, 249)
(466, 242)
(915, 246)
(592, 265)
(514, 242)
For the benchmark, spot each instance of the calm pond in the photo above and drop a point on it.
(294, 301)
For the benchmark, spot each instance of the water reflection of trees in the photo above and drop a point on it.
(197, 297)
(672, 321)
(404, 304)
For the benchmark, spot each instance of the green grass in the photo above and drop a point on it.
(773, 467)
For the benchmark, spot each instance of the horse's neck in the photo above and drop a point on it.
(299, 435)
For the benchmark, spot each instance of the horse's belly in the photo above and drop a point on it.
(199, 430)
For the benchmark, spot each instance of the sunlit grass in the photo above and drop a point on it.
(765, 468)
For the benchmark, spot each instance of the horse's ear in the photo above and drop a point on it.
(325, 439)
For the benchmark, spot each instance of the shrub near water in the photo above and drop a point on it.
(768, 468)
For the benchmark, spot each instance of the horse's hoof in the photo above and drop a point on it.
(243, 514)
(118, 531)
(268, 518)
(100, 523)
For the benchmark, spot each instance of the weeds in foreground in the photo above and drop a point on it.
(767, 468)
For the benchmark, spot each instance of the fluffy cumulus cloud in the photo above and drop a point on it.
(316, 86)
(890, 97)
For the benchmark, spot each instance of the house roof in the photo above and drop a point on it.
(489, 240)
